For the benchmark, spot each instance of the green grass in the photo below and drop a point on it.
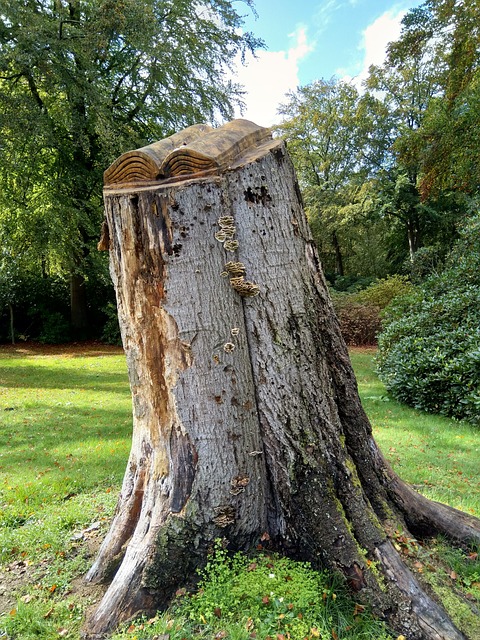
(65, 424)
(438, 455)
(65, 438)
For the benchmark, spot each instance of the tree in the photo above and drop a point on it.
(320, 126)
(405, 85)
(81, 80)
(449, 142)
(247, 420)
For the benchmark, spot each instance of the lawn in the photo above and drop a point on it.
(65, 437)
(439, 456)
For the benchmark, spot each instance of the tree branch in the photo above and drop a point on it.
(34, 91)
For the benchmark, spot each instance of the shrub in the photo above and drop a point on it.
(55, 329)
(359, 323)
(360, 313)
(383, 291)
(429, 350)
(351, 284)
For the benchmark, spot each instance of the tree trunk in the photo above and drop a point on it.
(12, 325)
(338, 255)
(246, 412)
(78, 306)
(413, 235)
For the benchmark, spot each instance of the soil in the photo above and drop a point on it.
(72, 349)
(18, 576)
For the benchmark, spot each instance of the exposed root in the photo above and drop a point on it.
(125, 520)
(417, 615)
(426, 516)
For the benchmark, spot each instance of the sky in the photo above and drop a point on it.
(308, 40)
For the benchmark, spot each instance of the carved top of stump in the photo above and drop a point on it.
(195, 152)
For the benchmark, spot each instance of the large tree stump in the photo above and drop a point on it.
(246, 414)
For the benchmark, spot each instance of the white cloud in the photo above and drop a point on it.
(269, 77)
(375, 39)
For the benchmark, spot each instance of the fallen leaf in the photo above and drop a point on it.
(49, 613)
(358, 609)
(453, 575)
(334, 635)
(63, 632)
(217, 612)
(265, 600)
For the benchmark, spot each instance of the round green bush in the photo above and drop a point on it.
(429, 349)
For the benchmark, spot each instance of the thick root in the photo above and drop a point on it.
(417, 615)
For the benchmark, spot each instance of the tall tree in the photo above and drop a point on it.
(81, 80)
(320, 127)
(449, 145)
(404, 86)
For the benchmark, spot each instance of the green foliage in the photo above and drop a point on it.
(323, 136)
(55, 329)
(448, 143)
(111, 329)
(82, 82)
(266, 595)
(430, 346)
(351, 284)
(383, 291)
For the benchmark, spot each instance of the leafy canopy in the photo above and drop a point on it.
(82, 81)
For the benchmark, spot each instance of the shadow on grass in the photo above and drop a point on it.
(66, 446)
(41, 377)
(89, 349)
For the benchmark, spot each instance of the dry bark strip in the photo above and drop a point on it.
(245, 407)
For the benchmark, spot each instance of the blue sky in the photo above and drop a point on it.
(311, 39)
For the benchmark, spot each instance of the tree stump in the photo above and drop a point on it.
(246, 415)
